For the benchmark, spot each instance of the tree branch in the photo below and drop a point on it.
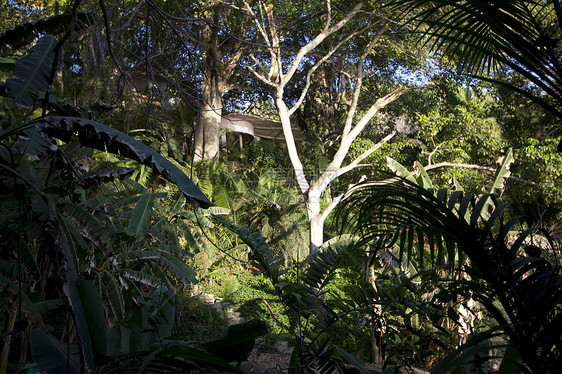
(316, 41)
(366, 154)
(476, 167)
(319, 63)
(359, 82)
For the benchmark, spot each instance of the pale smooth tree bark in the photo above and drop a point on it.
(220, 56)
(280, 75)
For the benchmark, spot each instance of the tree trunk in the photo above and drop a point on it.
(315, 224)
(208, 130)
(214, 85)
(377, 340)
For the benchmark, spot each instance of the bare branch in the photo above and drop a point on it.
(319, 63)
(359, 81)
(352, 165)
(316, 41)
(128, 22)
(260, 76)
(348, 138)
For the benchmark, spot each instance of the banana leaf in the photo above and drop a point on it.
(31, 73)
(25, 33)
(53, 355)
(96, 135)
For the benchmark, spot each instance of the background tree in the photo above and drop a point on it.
(481, 37)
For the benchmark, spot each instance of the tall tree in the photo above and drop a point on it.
(285, 64)
(222, 41)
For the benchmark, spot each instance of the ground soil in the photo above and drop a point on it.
(281, 362)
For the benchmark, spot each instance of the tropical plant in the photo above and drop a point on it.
(512, 271)
(312, 308)
(483, 36)
(72, 245)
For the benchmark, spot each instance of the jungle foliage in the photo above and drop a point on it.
(445, 257)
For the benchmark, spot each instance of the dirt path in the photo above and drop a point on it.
(281, 362)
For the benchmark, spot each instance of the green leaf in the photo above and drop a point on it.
(257, 244)
(32, 72)
(25, 33)
(53, 355)
(102, 137)
(160, 312)
(400, 170)
(238, 340)
(95, 315)
(114, 295)
(495, 187)
(7, 64)
(139, 222)
(73, 290)
(425, 177)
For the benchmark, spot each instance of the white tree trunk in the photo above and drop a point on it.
(277, 82)
(208, 129)
(315, 223)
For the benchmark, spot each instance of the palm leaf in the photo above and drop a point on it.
(259, 246)
(486, 35)
(506, 283)
(322, 265)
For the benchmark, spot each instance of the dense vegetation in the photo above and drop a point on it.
(409, 217)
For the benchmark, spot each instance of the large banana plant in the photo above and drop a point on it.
(60, 229)
(520, 290)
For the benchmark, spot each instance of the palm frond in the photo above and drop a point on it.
(483, 36)
(523, 294)
(259, 246)
(321, 266)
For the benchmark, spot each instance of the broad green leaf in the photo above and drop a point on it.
(496, 186)
(510, 357)
(114, 296)
(237, 340)
(95, 315)
(25, 33)
(139, 222)
(7, 64)
(160, 312)
(400, 170)
(99, 136)
(32, 72)
(53, 355)
(73, 291)
(424, 176)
